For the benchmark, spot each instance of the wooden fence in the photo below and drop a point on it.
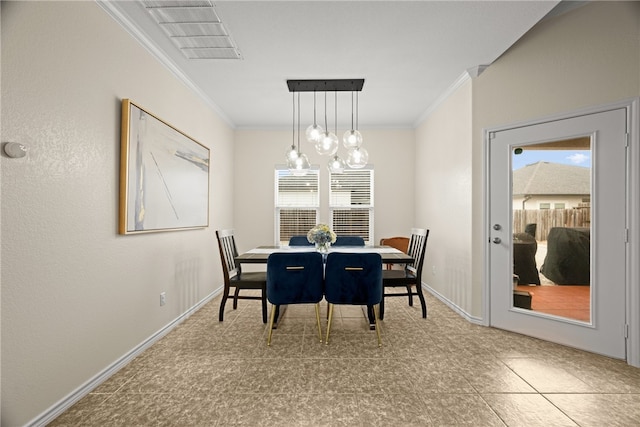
(545, 219)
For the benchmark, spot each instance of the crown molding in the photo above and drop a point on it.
(113, 11)
(467, 75)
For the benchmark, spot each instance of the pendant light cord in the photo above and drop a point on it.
(336, 111)
(352, 111)
(314, 109)
(325, 111)
(357, 111)
(298, 123)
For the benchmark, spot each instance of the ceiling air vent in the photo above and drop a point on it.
(194, 27)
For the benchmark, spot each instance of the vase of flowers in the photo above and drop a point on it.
(322, 236)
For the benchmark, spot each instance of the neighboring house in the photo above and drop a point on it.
(546, 185)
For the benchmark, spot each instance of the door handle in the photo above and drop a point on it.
(497, 240)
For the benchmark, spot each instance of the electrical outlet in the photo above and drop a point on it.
(433, 270)
(163, 298)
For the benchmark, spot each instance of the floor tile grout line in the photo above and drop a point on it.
(448, 330)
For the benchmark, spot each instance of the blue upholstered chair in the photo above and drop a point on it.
(299, 241)
(353, 279)
(349, 241)
(410, 278)
(294, 278)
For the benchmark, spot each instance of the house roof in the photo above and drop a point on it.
(546, 178)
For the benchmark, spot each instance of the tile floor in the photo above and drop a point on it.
(439, 371)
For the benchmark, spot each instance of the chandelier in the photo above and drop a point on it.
(325, 142)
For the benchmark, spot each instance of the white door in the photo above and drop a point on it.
(603, 329)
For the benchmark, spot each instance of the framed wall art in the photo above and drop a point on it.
(164, 175)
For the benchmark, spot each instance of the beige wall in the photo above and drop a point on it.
(443, 194)
(257, 153)
(587, 57)
(76, 296)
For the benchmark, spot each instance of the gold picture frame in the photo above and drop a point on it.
(164, 175)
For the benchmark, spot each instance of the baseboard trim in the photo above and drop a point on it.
(453, 306)
(65, 403)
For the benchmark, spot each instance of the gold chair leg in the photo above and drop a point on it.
(318, 321)
(330, 317)
(375, 316)
(271, 320)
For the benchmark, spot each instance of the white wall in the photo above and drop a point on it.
(257, 153)
(443, 194)
(76, 296)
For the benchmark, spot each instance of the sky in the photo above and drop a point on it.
(567, 157)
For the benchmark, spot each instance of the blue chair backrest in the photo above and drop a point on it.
(353, 278)
(349, 241)
(295, 278)
(299, 241)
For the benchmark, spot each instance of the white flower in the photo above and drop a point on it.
(321, 234)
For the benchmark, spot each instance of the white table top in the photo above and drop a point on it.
(260, 254)
(349, 249)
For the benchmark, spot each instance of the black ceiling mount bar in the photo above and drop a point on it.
(339, 85)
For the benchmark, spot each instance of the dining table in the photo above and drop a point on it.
(260, 254)
(389, 255)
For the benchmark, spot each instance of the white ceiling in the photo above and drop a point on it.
(410, 54)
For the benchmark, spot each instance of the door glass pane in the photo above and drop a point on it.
(551, 199)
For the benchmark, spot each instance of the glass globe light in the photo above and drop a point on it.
(291, 154)
(299, 166)
(358, 158)
(313, 133)
(328, 144)
(336, 165)
(352, 139)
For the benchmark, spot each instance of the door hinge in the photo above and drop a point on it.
(626, 330)
(627, 138)
(626, 235)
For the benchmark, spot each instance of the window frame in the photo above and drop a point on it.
(336, 207)
(281, 206)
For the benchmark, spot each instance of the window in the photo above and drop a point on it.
(351, 203)
(558, 205)
(297, 203)
(545, 205)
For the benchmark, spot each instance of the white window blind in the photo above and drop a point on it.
(297, 203)
(351, 203)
